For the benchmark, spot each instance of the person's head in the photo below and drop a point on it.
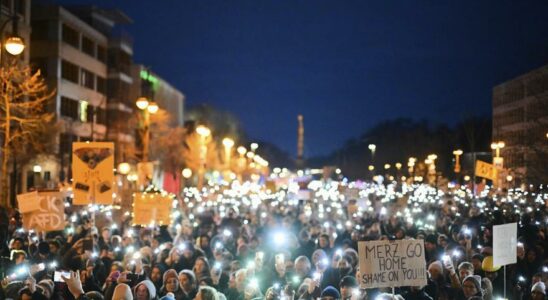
(187, 280)
(47, 287)
(25, 294)
(435, 269)
(430, 243)
(170, 281)
(18, 256)
(471, 286)
(54, 246)
(145, 290)
(465, 269)
(279, 263)
(532, 255)
(207, 293)
(538, 291)
(348, 285)
(174, 256)
(323, 241)
(105, 234)
(204, 241)
(156, 274)
(201, 266)
(122, 292)
(537, 277)
(302, 266)
(330, 293)
(476, 261)
(344, 266)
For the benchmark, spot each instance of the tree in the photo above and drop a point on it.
(23, 116)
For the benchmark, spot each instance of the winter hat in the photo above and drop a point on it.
(475, 279)
(349, 281)
(122, 292)
(168, 274)
(150, 287)
(330, 292)
(539, 287)
(47, 285)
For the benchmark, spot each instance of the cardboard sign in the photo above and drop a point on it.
(151, 209)
(49, 214)
(93, 176)
(28, 202)
(505, 239)
(486, 170)
(392, 263)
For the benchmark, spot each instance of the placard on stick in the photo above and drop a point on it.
(392, 263)
(49, 214)
(92, 169)
(505, 238)
(149, 208)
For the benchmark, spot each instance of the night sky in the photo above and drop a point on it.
(344, 65)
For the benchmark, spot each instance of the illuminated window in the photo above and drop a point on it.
(84, 111)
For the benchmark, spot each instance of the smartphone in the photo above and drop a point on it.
(57, 276)
(88, 244)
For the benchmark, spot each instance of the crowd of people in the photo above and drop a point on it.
(245, 243)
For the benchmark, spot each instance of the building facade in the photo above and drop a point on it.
(72, 56)
(520, 120)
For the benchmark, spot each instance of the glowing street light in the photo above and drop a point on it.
(204, 133)
(457, 154)
(124, 168)
(228, 143)
(147, 107)
(497, 146)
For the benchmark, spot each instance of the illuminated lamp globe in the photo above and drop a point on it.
(14, 45)
(187, 173)
(124, 168)
(228, 142)
(242, 150)
(153, 108)
(142, 103)
(203, 131)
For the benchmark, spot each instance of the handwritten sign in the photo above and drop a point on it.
(28, 202)
(486, 170)
(151, 209)
(505, 244)
(392, 263)
(92, 169)
(49, 214)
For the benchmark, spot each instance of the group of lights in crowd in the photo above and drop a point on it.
(326, 203)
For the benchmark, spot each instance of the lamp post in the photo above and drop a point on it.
(457, 154)
(498, 160)
(228, 143)
(14, 44)
(204, 133)
(147, 108)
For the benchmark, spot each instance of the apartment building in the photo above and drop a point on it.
(520, 120)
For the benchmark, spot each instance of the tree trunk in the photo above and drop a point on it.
(5, 156)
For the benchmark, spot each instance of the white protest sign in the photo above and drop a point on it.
(505, 244)
(392, 263)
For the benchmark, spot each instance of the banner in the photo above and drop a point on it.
(149, 208)
(505, 238)
(48, 213)
(392, 263)
(92, 170)
(485, 170)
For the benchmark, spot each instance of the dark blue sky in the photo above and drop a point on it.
(344, 65)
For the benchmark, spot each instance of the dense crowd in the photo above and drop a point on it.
(243, 242)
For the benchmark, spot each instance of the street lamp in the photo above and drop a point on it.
(148, 108)
(457, 154)
(124, 168)
(228, 143)
(14, 44)
(497, 146)
(204, 133)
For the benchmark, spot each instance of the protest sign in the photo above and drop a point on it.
(485, 170)
(149, 208)
(392, 263)
(49, 214)
(92, 169)
(505, 244)
(28, 202)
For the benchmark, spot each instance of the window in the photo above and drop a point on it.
(85, 111)
(101, 85)
(69, 108)
(88, 79)
(102, 54)
(88, 46)
(40, 64)
(69, 71)
(71, 36)
(65, 143)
